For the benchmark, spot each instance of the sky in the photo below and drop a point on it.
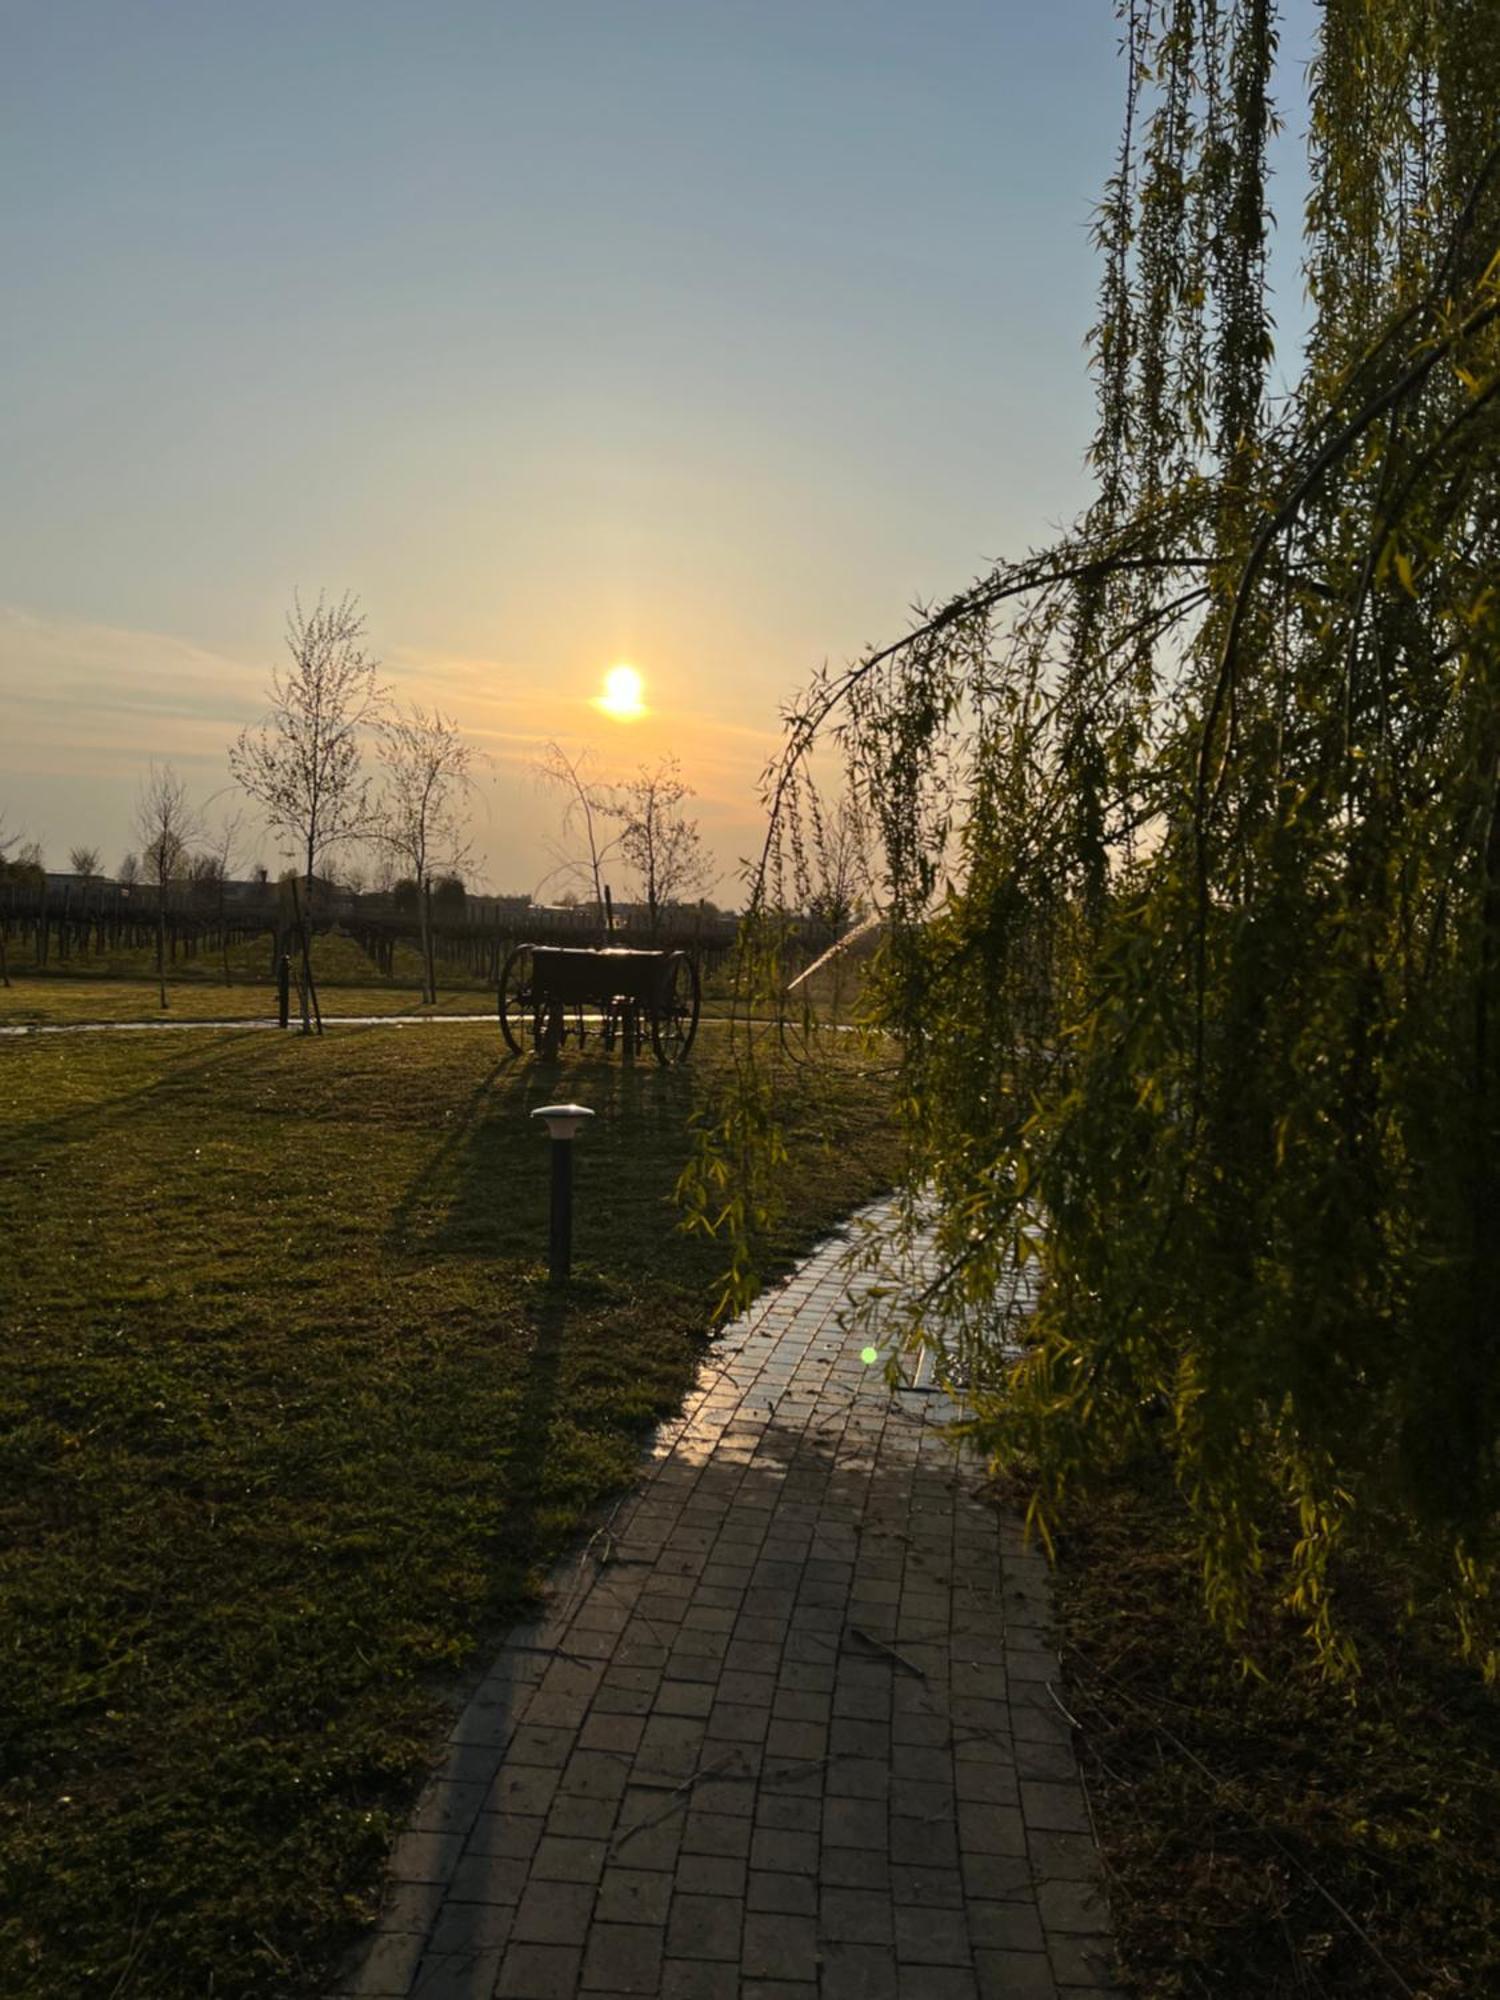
(701, 335)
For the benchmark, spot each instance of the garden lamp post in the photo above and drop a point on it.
(562, 1121)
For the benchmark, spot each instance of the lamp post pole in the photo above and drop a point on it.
(562, 1122)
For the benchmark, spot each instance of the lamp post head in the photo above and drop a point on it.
(563, 1120)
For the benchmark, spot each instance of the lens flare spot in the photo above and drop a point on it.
(869, 1356)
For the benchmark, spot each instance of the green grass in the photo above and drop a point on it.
(59, 1002)
(290, 1425)
(121, 986)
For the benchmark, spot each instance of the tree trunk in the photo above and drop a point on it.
(429, 974)
(161, 944)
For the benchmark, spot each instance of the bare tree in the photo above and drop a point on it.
(129, 870)
(165, 825)
(842, 887)
(590, 805)
(19, 857)
(84, 861)
(20, 861)
(429, 771)
(213, 868)
(664, 848)
(302, 763)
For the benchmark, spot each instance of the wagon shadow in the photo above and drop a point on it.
(469, 1200)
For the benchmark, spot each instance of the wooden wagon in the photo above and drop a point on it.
(554, 994)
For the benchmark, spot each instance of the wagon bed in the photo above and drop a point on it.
(554, 994)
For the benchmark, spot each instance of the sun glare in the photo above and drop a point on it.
(622, 694)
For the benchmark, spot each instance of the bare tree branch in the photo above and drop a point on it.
(302, 763)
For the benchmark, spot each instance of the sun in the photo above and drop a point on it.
(621, 698)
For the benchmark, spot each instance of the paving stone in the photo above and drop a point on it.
(859, 1778)
(539, 1972)
(472, 1927)
(596, 1774)
(855, 1916)
(855, 1823)
(1054, 1808)
(523, 1788)
(850, 1737)
(935, 1888)
(711, 1875)
(613, 1699)
(553, 1913)
(985, 1829)
(927, 1843)
(1052, 1761)
(1077, 1907)
(425, 1857)
(533, 1743)
(923, 1763)
(634, 1896)
(457, 1975)
(996, 1878)
(686, 1698)
(411, 1906)
(626, 1958)
(734, 1793)
(1062, 1856)
(1014, 1975)
(795, 1894)
(798, 1815)
(779, 1947)
(1005, 1926)
(784, 1850)
(562, 1860)
(699, 1979)
(931, 1937)
(487, 1878)
(705, 1927)
(512, 1835)
(857, 1972)
(621, 1733)
(854, 1868)
(738, 1722)
(570, 1818)
(937, 1982)
(650, 1846)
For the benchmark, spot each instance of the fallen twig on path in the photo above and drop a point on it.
(673, 1800)
(859, 1632)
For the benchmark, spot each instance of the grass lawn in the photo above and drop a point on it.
(49, 1002)
(289, 1425)
(121, 986)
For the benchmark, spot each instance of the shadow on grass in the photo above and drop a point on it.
(86, 1121)
(484, 1190)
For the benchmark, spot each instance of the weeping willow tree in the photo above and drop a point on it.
(1191, 850)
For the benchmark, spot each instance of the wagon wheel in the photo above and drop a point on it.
(520, 1011)
(674, 1017)
(527, 1021)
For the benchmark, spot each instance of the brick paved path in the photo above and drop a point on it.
(784, 1731)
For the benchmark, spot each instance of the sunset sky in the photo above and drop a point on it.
(700, 336)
